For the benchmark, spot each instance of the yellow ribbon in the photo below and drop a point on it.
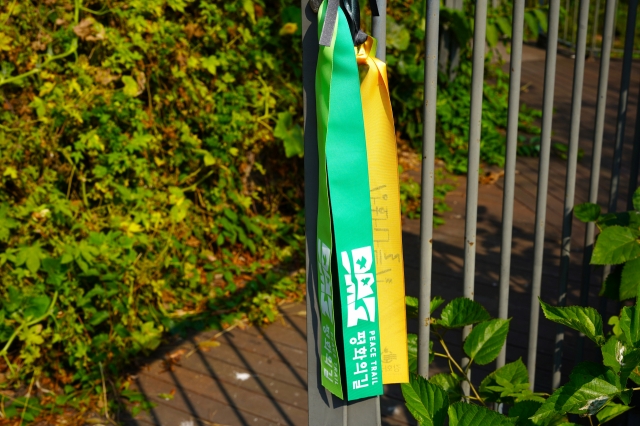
(382, 157)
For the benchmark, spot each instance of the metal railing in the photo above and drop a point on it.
(324, 409)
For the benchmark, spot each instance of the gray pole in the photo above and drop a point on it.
(635, 159)
(543, 183)
(428, 172)
(510, 165)
(570, 186)
(473, 167)
(379, 30)
(596, 17)
(601, 105)
(324, 408)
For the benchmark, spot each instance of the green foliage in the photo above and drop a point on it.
(461, 312)
(618, 244)
(406, 66)
(144, 187)
(599, 390)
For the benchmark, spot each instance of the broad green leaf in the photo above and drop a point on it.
(462, 311)
(450, 383)
(398, 36)
(611, 411)
(636, 199)
(130, 86)
(512, 377)
(523, 410)
(504, 25)
(36, 307)
(548, 414)
(290, 133)
(630, 325)
(413, 305)
(586, 320)
(463, 414)
(486, 339)
(99, 317)
(611, 286)
(426, 401)
(629, 279)
(492, 35)
(587, 212)
(531, 21)
(626, 395)
(630, 362)
(612, 353)
(630, 219)
(616, 245)
(542, 19)
(412, 342)
(590, 387)
(248, 7)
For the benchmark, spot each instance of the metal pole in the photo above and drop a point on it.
(635, 159)
(324, 408)
(543, 183)
(601, 105)
(596, 17)
(570, 186)
(510, 165)
(473, 167)
(379, 30)
(428, 175)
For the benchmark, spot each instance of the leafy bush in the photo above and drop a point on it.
(406, 64)
(141, 186)
(599, 391)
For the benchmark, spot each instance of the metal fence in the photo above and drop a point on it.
(325, 409)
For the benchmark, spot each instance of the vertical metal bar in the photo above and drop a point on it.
(473, 166)
(622, 105)
(635, 158)
(379, 30)
(428, 180)
(510, 165)
(543, 183)
(596, 17)
(570, 185)
(324, 408)
(601, 105)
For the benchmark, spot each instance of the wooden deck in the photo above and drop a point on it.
(258, 375)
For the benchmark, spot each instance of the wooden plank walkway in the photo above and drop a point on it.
(258, 375)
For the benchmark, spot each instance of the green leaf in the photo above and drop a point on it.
(492, 35)
(616, 245)
(542, 19)
(611, 286)
(290, 134)
(398, 36)
(485, 341)
(426, 401)
(211, 64)
(630, 325)
(498, 385)
(412, 341)
(612, 353)
(36, 307)
(636, 199)
(629, 279)
(532, 22)
(413, 305)
(630, 361)
(450, 383)
(590, 387)
(504, 25)
(587, 212)
(461, 312)
(523, 410)
(463, 414)
(548, 414)
(248, 7)
(99, 317)
(611, 411)
(130, 86)
(630, 219)
(586, 320)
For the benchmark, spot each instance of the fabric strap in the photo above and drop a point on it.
(385, 207)
(345, 206)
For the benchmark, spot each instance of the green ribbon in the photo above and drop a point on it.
(344, 202)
